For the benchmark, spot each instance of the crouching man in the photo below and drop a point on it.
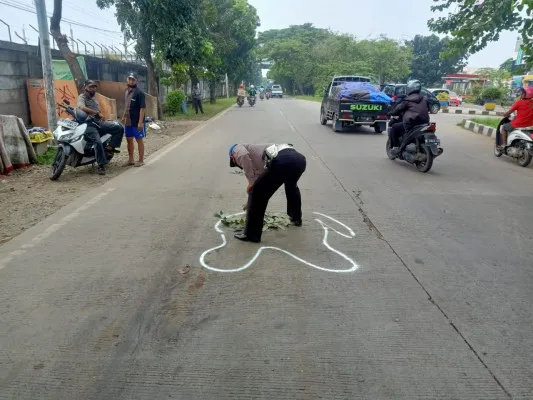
(267, 167)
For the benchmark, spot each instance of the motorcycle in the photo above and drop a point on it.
(419, 147)
(262, 96)
(73, 149)
(268, 95)
(519, 144)
(251, 101)
(240, 101)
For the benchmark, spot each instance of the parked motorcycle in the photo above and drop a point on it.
(419, 147)
(240, 101)
(519, 144)
(73, 149)
(251, 101)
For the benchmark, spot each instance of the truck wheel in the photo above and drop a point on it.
(377, 128)
(323, 119)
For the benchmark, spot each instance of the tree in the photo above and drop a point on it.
(508, 65)
(62, 44)
(473, 24)
(157, 25)
(497, 77)
(390, 61)
(427, 64)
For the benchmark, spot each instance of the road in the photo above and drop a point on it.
(97, 302)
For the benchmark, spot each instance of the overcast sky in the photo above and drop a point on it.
(398, 19)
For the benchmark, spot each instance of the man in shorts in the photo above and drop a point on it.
(133, 120)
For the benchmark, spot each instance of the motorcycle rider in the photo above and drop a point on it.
(413, 109)
(241, 92)
(252, 91)
(524, 114)
(88, 103)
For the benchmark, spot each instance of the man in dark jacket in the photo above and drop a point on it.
(133, 119)
(414, 110)
(267, 167)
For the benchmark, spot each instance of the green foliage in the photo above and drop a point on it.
(476, 91)
(492, 94)
(427, 64)
(271, 222)
(473, 25)
(492, 122)
(305, 58)
(508, 66)
(497, 77)
(173, 101)
(166, 81)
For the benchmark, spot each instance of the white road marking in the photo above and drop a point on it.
(327, 229)
(162, 153)
(53, 228)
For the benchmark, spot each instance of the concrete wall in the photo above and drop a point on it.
(19, 62)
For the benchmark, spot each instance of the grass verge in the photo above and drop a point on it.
(309, 98)
(210, 110)
(492, 122)
(48, 157)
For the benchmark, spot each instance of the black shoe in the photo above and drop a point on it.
(296, 222)
(101, 170)
(245, 238)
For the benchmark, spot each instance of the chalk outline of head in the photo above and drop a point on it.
(327, 229)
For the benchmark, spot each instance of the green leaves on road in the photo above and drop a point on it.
(271, 221)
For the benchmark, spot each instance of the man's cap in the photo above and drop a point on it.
(90, 82)
(132, 75)
(231, 162)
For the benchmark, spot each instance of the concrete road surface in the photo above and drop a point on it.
(400, 285)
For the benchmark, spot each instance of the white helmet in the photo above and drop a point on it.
(252, 86)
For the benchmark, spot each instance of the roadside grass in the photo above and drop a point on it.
(492, 122)
(48, 157)
(210, 110)
(309, 98)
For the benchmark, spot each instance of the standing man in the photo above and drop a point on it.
(184, 102)
(133, 120)
(267, 167)
(88, 103)
(197, 98)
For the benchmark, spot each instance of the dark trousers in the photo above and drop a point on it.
(286, 168)
(92, 136)
(115, 130)
(197, 103)
(395, 132)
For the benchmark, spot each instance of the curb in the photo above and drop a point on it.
(477, 128)
(472, 112)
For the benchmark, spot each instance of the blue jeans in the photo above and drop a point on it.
(184, 107)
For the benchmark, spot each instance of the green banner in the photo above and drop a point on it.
(62, 72)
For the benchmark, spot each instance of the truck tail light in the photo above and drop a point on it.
(382, 116)
(347, 115)
(394, 98)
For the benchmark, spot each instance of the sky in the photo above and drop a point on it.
(397, 19)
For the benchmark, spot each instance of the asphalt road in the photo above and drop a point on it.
(419, 289)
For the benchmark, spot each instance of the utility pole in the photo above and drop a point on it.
(46, 58)
(227, 87)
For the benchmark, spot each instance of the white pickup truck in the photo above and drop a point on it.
(277, 91)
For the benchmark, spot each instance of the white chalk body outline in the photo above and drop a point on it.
(327, 228)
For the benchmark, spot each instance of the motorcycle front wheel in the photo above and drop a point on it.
(425, 166)
(388, 149)
(57, 167)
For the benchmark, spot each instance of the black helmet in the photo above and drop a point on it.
(413, 87)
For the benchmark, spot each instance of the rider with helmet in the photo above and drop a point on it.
(413, 109)
(241, 92)
(252, 91)
(524, 114)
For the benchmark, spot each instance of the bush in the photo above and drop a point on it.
(491, 94)
(174, 100)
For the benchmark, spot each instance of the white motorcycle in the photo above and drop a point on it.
(72, 148)
(519, 144)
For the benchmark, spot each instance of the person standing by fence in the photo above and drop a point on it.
(133, 119)
(197, 98)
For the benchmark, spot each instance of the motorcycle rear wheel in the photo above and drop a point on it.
(57, 167)
(426, 165)
(497, 150)
(525, 160)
